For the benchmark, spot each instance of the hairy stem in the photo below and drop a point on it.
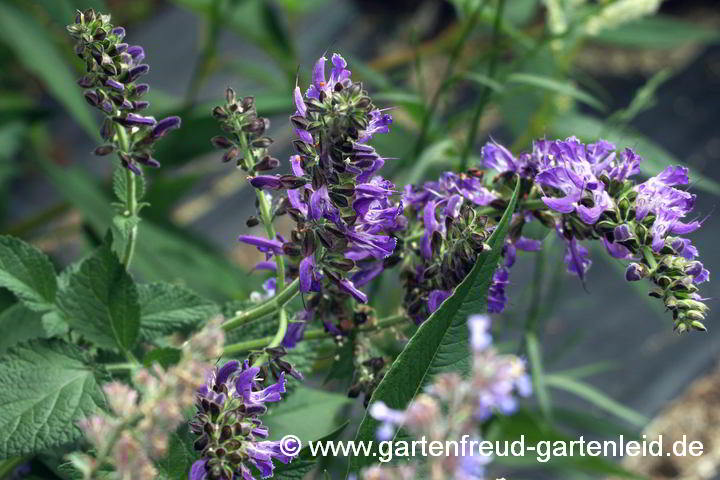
(314, 334)
(272, 305)
(131, 203)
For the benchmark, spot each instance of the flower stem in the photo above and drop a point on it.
(314, 334)
(131, 203)
(649, 257)
(270, 306)
(485, 95)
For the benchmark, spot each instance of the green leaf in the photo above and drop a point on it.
(658, 32)
(28, 273)
(165, 356)
(557, 86)
(18, 324)
(101, 301)
(45, 389)
(32, 46)
(305, 461)
(180, 457)
(538, 375)
(655, 158)
(597, 398)
(119, 183)
(441, 342)
(166, 308)
(308, 414)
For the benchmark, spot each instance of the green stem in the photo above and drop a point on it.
(272, 305)
(208, 53)
(485, 95)
(649, 257)
(315, 334)
(120, 367)
(131, 203)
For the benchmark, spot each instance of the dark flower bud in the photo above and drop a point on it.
(219, 141)
(267, 163)
(693, 268)
(225, 434)
(86, 81)
(132, 120)
(232, 154)
(344, 264)
(230, 95)
(201, 443)
(292, 249)
(140, 105)
(165, 125)
(262, 142)
(252, 222)
(302, 147)
(291, 181)
(622, 233)
(247, 103)
(257, 126)
(106, 131)
(136, 72)
(103, 150)
(141, 89)
(266, 182)
(92, 98)
(219, 113)
(299, 122)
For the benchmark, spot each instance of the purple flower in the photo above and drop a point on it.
(497, 299)
(310, 277)
(263, 244)
(263, 182)
(296, 330)
(164, 126)
(436, 298)
(577, 258)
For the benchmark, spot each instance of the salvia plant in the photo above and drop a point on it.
(132, 381)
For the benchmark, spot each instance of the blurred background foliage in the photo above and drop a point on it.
(456, 73)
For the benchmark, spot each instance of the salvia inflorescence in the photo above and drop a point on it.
(113, 70)
(349, 225)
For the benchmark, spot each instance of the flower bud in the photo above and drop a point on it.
(635, 272)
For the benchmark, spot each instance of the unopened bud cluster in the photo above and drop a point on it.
(112, 71)
(138, 427)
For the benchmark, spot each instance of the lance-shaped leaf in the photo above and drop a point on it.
(28, 273)
(45, 388)
(441, 342)
(101, 302)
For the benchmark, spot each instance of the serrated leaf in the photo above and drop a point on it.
(45, 389)
(101, 301)
(165, 356)
(28, 273)
(18, 324)
(166, 308)
(180, 457)
(441, 342)
(120, 187)
(54, 324)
